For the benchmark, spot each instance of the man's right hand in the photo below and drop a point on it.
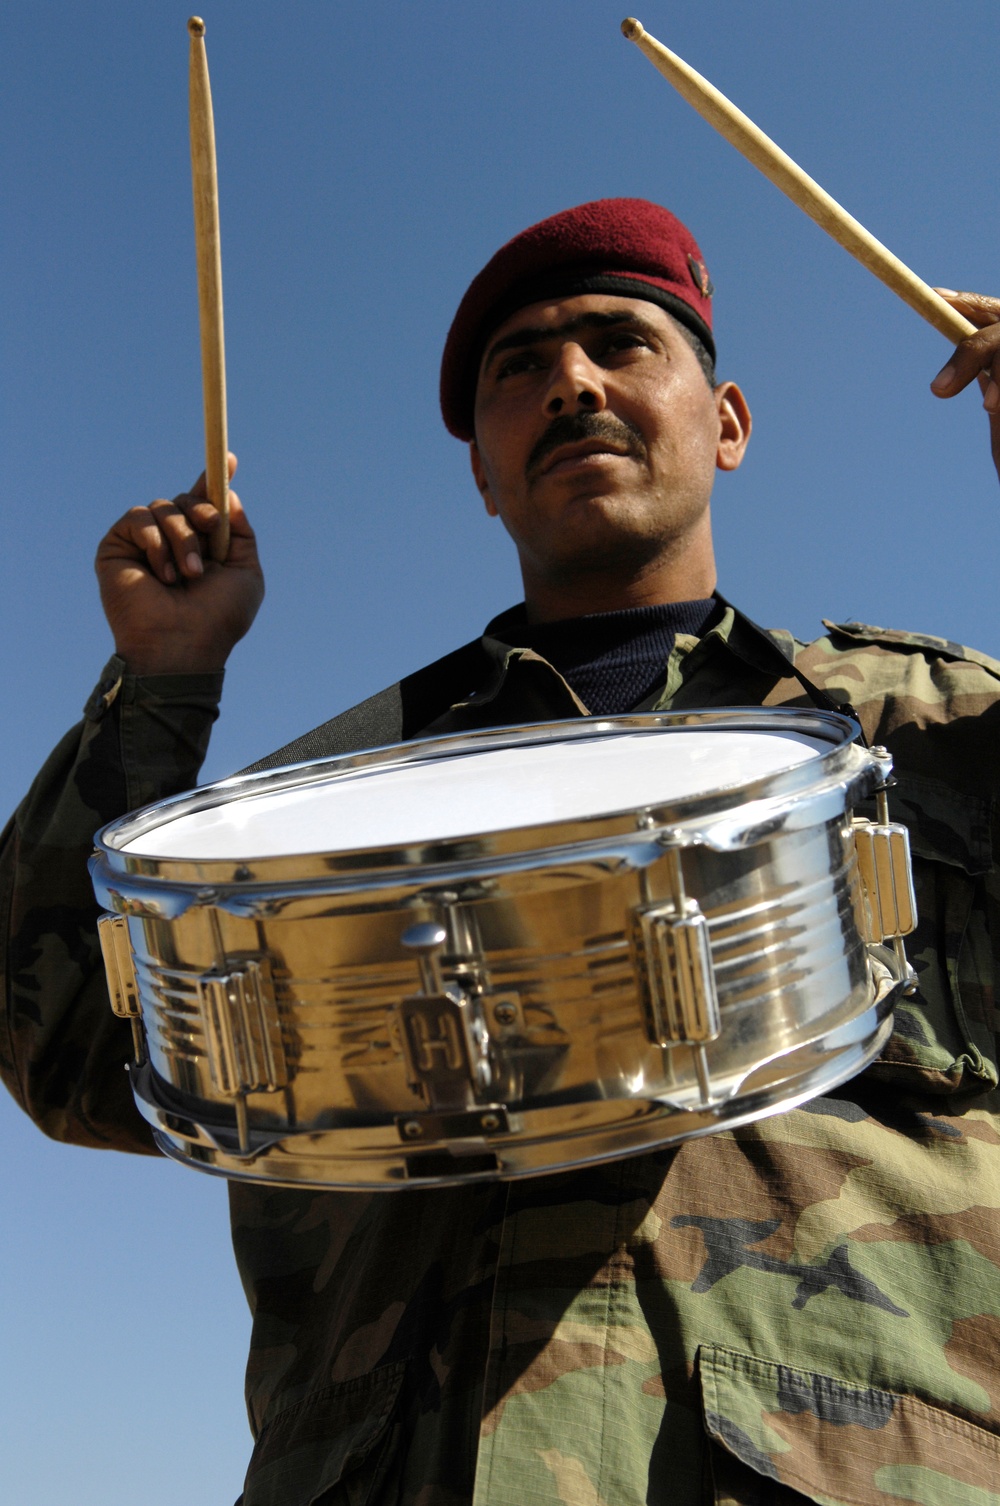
(171, 608)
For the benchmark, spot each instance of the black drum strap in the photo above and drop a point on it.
(774, 660)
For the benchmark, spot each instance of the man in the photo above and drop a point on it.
(805, 1309)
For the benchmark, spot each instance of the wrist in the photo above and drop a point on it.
(120, 684)
(173, 658)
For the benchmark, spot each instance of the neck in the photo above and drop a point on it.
(551, 596)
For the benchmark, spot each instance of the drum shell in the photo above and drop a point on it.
(546, 950)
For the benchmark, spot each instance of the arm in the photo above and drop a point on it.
(175, 616)
(62, 1051)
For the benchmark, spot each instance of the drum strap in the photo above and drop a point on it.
(391, 716)
(768, 656)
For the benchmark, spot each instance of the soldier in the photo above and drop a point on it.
(804, 1309)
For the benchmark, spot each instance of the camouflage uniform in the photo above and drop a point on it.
(806, 1309)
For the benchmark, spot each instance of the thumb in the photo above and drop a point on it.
(198, 490)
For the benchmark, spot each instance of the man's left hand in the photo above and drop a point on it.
(978, 356)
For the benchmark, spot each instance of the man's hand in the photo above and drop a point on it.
(978, 356)
(171, 608)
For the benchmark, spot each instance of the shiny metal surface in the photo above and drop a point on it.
(123, 991)
(511, 1001)
(883, 850)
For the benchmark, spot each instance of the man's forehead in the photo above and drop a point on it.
(553, 317)
(626, 247)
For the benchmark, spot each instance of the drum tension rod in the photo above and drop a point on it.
(426, 939)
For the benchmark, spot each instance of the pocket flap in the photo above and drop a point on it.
(307, 1448)
(841, 1444)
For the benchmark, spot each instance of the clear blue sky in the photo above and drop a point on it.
(371, 158)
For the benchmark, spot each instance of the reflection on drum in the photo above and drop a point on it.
(507, 952)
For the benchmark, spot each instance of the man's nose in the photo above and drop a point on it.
(575, 384)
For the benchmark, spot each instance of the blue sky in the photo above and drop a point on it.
(371, 158)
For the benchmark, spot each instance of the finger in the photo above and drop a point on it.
(205, 520)
(989, 385)
(239, 523)
(137, 537)
(202, 516)
(181, 538)
(198, 490)
(983, 311)
(979, 308)
(974, 355)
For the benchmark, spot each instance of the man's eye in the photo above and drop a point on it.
(524, 360)
(624, 340)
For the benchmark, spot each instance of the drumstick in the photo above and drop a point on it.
(208, 253)
(740, 131)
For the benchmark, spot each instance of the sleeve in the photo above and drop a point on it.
(62, 1051)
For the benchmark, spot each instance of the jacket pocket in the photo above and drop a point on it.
(944, 1040)
(327, 1449)
(779, 1434)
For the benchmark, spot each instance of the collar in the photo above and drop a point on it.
(735, 663)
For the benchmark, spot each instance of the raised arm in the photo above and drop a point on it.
(175, 616)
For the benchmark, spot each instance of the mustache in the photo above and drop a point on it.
(570, 428)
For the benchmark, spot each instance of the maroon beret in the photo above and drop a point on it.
(626, 246)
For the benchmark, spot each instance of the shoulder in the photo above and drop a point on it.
(935, 703)
(844, 636)
(940, 677)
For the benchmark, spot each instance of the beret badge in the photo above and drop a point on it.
(700, 277)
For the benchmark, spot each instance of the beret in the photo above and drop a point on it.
(626, 246)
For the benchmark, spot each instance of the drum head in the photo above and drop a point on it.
(469, 790)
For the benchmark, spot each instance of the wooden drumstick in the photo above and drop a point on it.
(208, 253)
(740, 131)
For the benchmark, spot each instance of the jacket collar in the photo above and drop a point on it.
(734, 664)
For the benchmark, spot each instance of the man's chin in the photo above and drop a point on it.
(609, 517)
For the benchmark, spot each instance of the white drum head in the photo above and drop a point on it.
(495, 789)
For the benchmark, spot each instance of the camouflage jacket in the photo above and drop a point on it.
(807, 1309)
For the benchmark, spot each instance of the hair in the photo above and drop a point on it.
(704, 359)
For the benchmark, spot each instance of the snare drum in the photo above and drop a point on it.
(508, 952)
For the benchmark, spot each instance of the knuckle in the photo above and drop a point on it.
(978, 348)
(175, 525)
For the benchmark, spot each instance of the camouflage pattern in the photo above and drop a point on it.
(807, 1309)
(61, 1055)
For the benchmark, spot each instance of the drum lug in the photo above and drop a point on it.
(672, 954)
(883, 850)
(675, 972)
(242, 1031)
(116, 948)
(444, 1037)
(112, 932)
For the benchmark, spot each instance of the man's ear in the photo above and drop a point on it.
(479, 473)
(735, 424)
